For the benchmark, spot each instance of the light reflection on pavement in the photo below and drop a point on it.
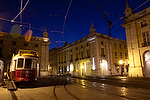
(122, 92)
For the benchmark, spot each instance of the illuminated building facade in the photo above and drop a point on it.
(10, 46)
(94, 55)
(137, 27)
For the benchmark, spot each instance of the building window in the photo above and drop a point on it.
(143, 23)
(13, 42)
(71, 58)
(87, 44)
(65, 56)
(81, 46)
(145, 37)
(121, 54)
(125, 46)
(81, 54)
(62, 57)
(126, 55)
(115, 45)
(36, 45)
(1, 52)
(120, 46)
(102, 43)
(102, 52)
(13, 51)
(76, 56)
(87, 54)
(76, 48)
(25, 43)
(1, 41)
(59, 58)
(116, 54)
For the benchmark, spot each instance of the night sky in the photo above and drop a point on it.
(51, 14)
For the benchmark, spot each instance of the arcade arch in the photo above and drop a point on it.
(1, 67)
(146, 61)
(71, 68)
(104, 67)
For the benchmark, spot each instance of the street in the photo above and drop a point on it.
(82, 88)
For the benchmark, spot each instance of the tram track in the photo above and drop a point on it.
(54, 92)
(75, 90)
(71, 93)
(13, 95)
(107, 92)
(25, 92)
(66, 90)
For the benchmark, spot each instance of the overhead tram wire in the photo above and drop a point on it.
(44, 13)
(97, 10)
(108, 21)
(21, 10)
(124, 16)
(83, 6)
(32, 27)
(80, 5)
(140, 5)
(4, 19)
(113, 23)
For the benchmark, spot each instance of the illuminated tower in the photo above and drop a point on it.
(44, 60)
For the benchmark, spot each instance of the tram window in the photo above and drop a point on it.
(20, 63)
(15, 61)
(28, 63)
(34, 64)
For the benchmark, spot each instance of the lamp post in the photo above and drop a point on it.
(122, 66)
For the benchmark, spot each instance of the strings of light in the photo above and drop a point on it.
(65, 18)
(4, 19)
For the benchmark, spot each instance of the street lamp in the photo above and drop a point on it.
(122, 66)
(120, 62)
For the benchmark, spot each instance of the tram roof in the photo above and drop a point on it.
(28, 53)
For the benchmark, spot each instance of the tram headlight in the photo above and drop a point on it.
(21, 79)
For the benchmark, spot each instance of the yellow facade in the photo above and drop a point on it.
(10, 46)
(137, 27)
(92, 55)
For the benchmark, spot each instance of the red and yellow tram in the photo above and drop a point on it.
(24, 66)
